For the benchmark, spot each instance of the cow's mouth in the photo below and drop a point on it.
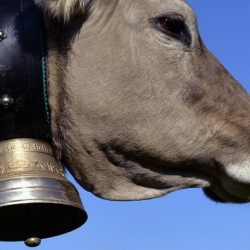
(223, 197)
(213, 196)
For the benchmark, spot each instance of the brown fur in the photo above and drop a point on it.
(138, 114)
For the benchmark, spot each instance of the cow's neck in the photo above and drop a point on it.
(24, 111)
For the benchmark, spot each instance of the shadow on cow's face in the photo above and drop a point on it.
(145, 108)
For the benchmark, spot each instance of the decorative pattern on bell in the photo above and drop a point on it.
(36, 200)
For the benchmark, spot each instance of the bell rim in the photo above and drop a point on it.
(78, 215)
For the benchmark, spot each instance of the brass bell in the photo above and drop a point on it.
(36, 199)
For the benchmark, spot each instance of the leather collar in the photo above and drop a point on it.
(24, 111)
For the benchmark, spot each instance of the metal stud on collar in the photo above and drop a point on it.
(2, 35)
(6, 101)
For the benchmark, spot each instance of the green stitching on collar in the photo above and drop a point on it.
(43, 65)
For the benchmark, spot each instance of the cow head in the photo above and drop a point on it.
(140, 107)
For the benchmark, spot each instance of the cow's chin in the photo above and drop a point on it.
(231, 184)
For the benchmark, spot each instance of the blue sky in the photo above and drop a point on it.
(184, 219)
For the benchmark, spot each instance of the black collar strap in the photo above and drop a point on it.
(24, 111)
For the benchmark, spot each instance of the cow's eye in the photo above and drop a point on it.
(174, 27)
(171, 26)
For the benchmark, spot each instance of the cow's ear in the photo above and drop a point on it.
(64, 9)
